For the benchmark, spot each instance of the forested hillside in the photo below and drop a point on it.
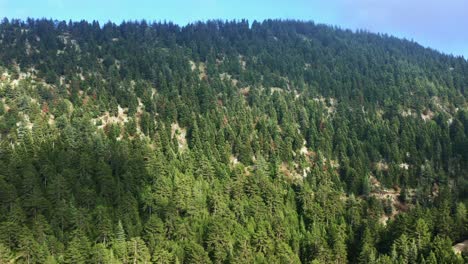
(228, 142)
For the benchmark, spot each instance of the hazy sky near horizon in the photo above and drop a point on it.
(439, 24)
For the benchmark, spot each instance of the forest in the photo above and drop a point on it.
(278, 141)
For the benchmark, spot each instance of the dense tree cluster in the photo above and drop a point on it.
(228, 142)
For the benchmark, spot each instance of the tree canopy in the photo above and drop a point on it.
(228, 142)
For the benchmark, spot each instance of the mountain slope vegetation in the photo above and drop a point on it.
(228, 142)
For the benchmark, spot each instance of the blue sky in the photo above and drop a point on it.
(439, 24)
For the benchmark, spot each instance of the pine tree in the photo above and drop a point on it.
(78, 250)
(137, 251)
(119, 246)
(5, 254)
(422, 235)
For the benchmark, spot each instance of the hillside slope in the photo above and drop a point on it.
(225, 142)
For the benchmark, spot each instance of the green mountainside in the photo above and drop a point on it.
(229, 142)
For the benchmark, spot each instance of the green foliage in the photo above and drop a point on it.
(228, 142)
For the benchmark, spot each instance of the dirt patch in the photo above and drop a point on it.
(427, 115)
(389, 197)
(228, 77)
(461, 247)
(242, 62)
(404, 166)
(25, 122)
(233, 160)
(435, 190)
(296, 94)
(375, 183)
(334, 164)
(193, 66)
(305, 171)
(290, 173)
(276, 89)
(328, 103)
(201, 67)
(107, 119)
(245, 91)
(406, 113)
(5, 106)
(396, 206)
(139, 112)
(180, 134)
(51, 120)
(381, 166)
(304, 151)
